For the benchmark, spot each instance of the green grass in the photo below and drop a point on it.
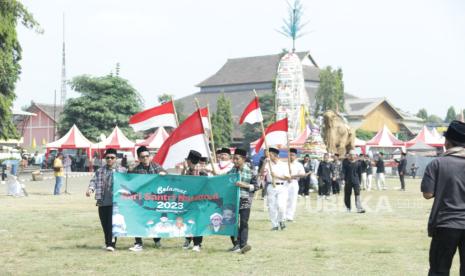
(48, 235)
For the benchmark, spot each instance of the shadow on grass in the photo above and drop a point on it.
(383, 251)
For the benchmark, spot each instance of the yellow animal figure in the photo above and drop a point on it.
(338, 136)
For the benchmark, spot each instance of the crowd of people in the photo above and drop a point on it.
(282, 182)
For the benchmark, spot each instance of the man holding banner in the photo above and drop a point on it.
(146, 167)
(191, 168)
(224, 164)
(102, 185)
(246, 195)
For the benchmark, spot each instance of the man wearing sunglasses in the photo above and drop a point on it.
(146, 167)
(102, 185)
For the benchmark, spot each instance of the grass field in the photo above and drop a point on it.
(56, 235)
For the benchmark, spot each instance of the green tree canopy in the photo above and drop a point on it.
(11, 11)
(451, 115)
(104, 102)
(434, 119)
(364, 135)
(423, 114)
(330, 94)
(222, 122)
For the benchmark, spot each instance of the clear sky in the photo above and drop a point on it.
(412, 52)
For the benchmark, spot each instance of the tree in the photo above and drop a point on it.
(423, 114)
(11, 12)
(104, 103)
(293, 25)
(364, 135)
(253, 132)
(451, 115)
(222, 122)
(330, 94)
(434, 119)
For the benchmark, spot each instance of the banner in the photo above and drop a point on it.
(169, 206)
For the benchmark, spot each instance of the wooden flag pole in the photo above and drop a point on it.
(288, 150)
(273, 182)
(211, 134)
(206, 136)
(175, 113)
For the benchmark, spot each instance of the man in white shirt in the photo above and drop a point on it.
(297, 171)
(276, 179)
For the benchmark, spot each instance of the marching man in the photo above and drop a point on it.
(102, 185)
(277, 193)
(225, 163)
(246, 194)
(297, 172)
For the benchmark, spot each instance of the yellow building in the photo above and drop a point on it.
(373, 113)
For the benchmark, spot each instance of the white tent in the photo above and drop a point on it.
(73, 139)
(155, 140)
(116, 140)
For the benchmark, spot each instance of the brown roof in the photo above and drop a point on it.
(49, 109)
(258, 69)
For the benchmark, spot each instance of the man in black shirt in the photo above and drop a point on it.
(363, 165)
(380, 180)
(444, 180)
(352, 173)
(324, 176)
(146, 167)
(402, 170)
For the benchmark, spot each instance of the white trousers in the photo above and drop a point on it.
(292, 194)
(369, 181)
(277, 200)
(380, 181)
(14, 188)
(364, 181)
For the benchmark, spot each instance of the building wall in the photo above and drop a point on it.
(39, 127)
(380, 116)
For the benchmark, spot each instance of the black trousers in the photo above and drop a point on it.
(402, 181)
(139, 240)
(304, 185)
(243, 233)
(105, 213)
(348, 192)
(324, 187)
(442, 250)
(197, 240)
(336, 186)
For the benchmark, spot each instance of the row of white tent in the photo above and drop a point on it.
(74, 139)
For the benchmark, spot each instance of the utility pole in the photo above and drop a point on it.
(63, 68)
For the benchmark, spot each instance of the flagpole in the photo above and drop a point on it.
(273, 182)
(288, 150)
(211, 134)
(175, 113)
(206, 136)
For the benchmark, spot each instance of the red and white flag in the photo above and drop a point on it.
(252, 113)
(158, 116)
(276, 134)
(188, 136)
(204, 114)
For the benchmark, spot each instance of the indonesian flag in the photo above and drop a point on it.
(188, 136)
(204, 114)
(252, 113)
(158, 116)
(276, 134)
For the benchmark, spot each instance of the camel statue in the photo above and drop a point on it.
(338, 136)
